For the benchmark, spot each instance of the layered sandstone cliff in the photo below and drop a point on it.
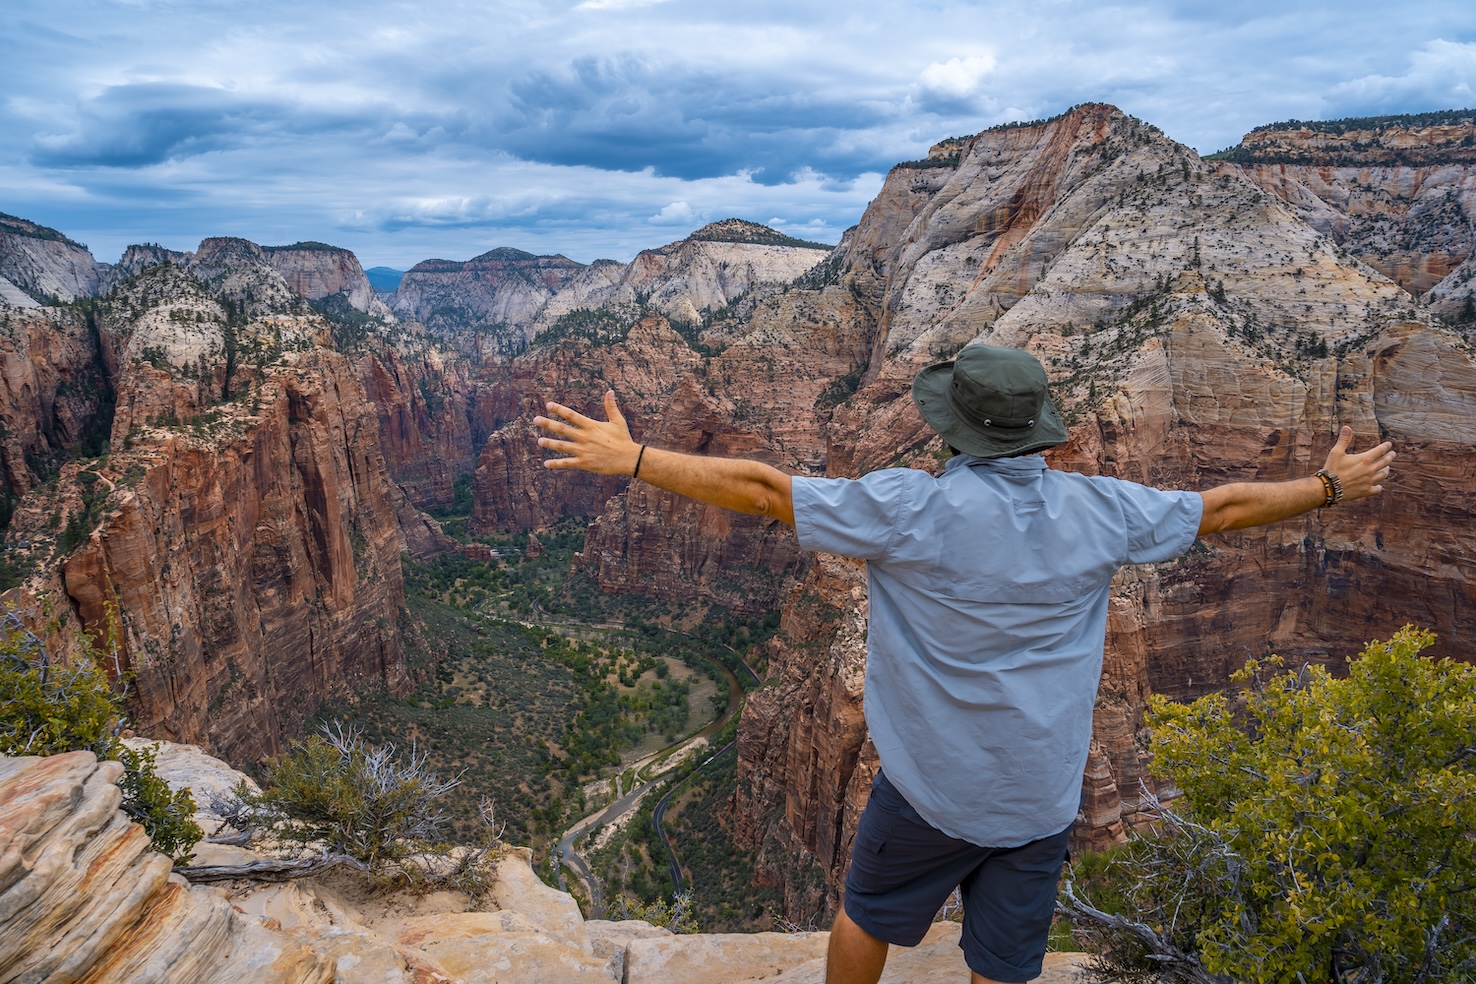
(39, 265)
(1398, 195)
(239, 550)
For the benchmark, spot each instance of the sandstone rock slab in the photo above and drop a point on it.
(719, 958)
(85, 899)
(938, 960)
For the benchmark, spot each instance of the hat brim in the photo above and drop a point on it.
(930, 394)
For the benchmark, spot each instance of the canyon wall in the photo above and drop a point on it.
(54, 394)
(1401, 197)
(234, 548)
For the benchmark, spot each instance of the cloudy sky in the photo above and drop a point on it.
(405, 130)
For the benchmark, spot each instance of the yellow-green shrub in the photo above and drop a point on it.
(1326, 827)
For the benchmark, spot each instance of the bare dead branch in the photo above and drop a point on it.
(268, 869)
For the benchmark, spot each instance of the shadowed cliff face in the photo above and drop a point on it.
(54, 395)
(237, 550)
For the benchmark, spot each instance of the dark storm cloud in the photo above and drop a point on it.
(137, 125)
(629, 114)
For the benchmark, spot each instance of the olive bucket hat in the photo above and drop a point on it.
(991, 402)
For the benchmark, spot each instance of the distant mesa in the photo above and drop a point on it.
(743, 231)
(1413, 140)
(308, 246)
(502, 256)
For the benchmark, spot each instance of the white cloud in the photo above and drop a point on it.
(958, 76)
(523, 123)
(1442, 74)
(675, 214)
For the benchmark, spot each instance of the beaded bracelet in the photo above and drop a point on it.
(1332, 488)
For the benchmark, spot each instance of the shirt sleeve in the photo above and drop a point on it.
(1161, 525)
(851, 517)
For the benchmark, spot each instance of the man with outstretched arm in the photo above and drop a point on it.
(988, 588)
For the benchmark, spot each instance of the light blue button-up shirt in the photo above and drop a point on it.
(988, 613)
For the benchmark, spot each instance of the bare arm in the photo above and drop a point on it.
(1243, 504)
(605, 448)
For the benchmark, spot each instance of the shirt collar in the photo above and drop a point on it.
(1020, 465)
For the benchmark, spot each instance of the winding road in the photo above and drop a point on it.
(649, 771)
(659, 814)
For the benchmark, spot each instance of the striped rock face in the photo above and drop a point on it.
(84, 898)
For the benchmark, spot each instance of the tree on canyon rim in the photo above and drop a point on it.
(48, 706)
(1324, 829)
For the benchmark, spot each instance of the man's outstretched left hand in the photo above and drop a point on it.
(600, 446)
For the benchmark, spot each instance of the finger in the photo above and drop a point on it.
(1345, 438)
(563, 447)
(560, 463)
(573, 416)
(556, 427)
(612, 410)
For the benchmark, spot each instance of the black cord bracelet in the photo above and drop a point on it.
(637, 470)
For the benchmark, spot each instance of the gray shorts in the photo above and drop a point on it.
(903, 870)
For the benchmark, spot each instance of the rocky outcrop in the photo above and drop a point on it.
(139, 257)
(1395, 192)
(54, 395)
(317, 271)
(41, 266)
(84, 899)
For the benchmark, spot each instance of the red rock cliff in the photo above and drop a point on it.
(243, 550)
